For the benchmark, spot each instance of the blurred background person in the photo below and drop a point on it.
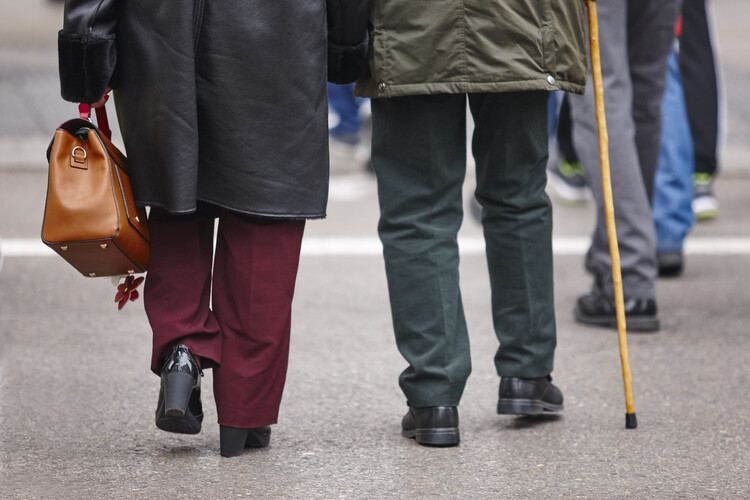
(683, 186)
(637, 36)
(698, 71)
(348, 141)
(673, 187)
(564, 168)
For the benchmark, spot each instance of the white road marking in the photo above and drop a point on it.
(370, 245)
(24, 247)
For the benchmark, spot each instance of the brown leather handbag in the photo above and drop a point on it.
(90, 218)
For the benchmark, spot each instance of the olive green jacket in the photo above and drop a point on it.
(474, 46)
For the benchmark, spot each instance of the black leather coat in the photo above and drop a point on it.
(222, 101)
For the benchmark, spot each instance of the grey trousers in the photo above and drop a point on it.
(635, 38)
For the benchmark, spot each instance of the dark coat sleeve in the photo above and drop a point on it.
(348, 43)
(86, 49)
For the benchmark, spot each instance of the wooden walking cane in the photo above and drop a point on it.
(614, 251)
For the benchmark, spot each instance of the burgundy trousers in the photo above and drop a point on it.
(236, 318)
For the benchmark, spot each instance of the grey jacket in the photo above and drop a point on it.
(222, 101)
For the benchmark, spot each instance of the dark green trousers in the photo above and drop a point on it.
(419, 155)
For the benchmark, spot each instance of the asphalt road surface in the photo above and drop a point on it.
(77, 398)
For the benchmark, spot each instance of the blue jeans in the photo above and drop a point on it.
(342, 101)
(553, 108)
(673, 191)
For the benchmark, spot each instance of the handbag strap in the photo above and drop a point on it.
(101, 116)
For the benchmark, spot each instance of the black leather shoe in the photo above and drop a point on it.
(599, 310)
(179, 408)
(233, 441)
(670, 264)
(433, 425)
(528, 396)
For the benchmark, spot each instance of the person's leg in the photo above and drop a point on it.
(698, 69)
(510, 148)
(554, 103)
(650, 33)
(255, 271)
(635, 227)
(565, 133)
(346, 106)
(177, 291)
(419, 155)
(563, 167)
(345, 144)
(673, 190)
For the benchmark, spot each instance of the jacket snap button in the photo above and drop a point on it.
(381, 86)
(551, 80)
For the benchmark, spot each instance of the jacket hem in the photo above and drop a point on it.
(369, 88)
(255, 213)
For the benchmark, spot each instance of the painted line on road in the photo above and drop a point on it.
(370, 246)
(24, 247)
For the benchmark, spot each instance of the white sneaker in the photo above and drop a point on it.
(568, 183)
(705, 204)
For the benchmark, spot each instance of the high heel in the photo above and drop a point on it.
(179, 408)
(233, 441)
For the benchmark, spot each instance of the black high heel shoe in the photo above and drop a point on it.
(234, 441)
(179, 408)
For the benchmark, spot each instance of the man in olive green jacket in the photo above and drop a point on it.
(426, 57)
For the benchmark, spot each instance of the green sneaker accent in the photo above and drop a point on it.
(570, 169)
(702, 178)
(705, 204)
(707, 215)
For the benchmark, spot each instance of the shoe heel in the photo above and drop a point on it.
(259, 437)
(438, 437)
(518, 408)
(232, 440)
(177, 389)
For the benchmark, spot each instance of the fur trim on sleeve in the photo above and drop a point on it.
(347, 63)
(86, 66)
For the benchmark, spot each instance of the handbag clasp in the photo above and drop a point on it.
(78, 158)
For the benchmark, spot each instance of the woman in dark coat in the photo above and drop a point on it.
(222, 105)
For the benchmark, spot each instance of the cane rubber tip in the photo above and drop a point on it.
(630, 421)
